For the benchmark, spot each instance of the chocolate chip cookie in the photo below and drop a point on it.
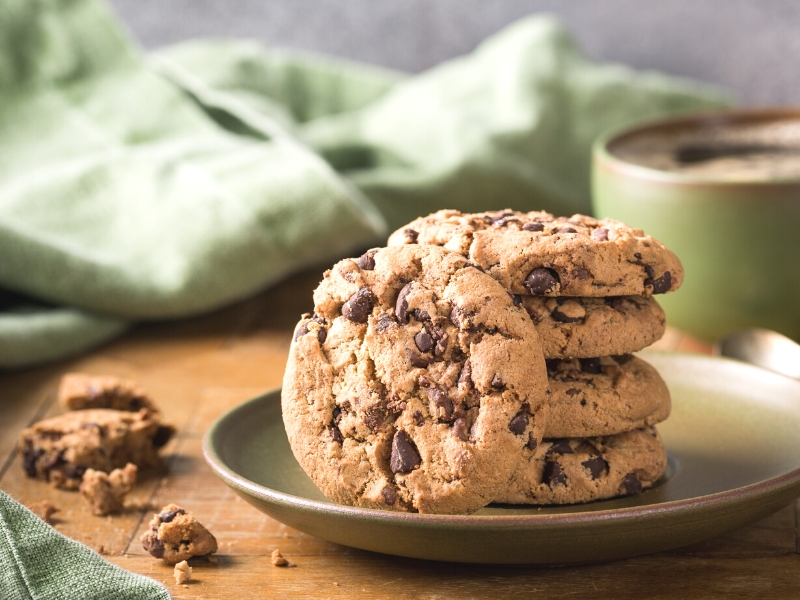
(567, 471)
(79, 391)
(415, 384)
(538, 254)
(60, 449)
(175, 535)
(604, 396)
(588, 327)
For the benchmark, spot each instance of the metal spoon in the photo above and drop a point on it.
(763, 348)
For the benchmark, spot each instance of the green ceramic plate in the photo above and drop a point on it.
(734, 444)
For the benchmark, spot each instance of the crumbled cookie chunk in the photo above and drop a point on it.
(604, 396)
(182, 573)
(415, 383)
(105, 492)
(60, 449)
(278, 559)
(44, 510)
(79, 391)
(176, 535)
(566, 471)
(538, 254)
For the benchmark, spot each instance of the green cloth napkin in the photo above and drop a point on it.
(148, 188)
(38, 563)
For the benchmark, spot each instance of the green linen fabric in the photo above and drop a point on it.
(38, 563)
(136, 187)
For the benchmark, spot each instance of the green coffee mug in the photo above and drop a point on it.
(722, 191)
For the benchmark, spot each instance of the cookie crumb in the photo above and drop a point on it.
(182, 573)
(101, 549)
(44, 510)
(212, 559)
(105, 492)
(175, 535)
(335, 584)
(81, 391)
(278, 559)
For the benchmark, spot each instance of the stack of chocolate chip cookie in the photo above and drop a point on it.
(483, 358)
(588, 286)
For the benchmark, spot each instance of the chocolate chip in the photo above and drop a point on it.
(441, 346)
(650, 271)
(74, 471)
(466, 374)
(621, 305)
(600, 235)
(322, 335)
(336, 434)
(418, 418)
(421, 315)
(460, 429)
(358, 307)
(596, 466)
(162, 435)
(424, 341)
(416, 359)
(630, 485)
(319, 319)
(535, 226)
(384, 322)
(374, 417)
(519, 423)
(531, 445)
(517, 299)
(553, 474)
(154, 546)
(567, 230)
(337, 415)
(29, 458)
(411, 235)
(572, 392)
(660, 285)
(560, 447)
(389, 495)
(505, 221)
(405, 457)
(638, 255)
(168, 516)
(497, 382)
(423, 381)
(367, 260)
(444, 405)
(562, 318)
(541, 281)
(301, 331)
(401, 306)
(581, 273)
(591, 366)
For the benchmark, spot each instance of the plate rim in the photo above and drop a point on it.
(774, 485)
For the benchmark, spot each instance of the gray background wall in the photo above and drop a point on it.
(751, 46)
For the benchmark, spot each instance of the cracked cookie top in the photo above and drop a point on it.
(542, 255)
(415, 384)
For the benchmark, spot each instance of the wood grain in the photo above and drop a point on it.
(198, 368)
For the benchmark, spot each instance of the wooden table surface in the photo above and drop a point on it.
(198, 368)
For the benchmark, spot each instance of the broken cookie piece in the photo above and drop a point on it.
(80, 391)
(278, 560)
(105, 492)
(62, 448)
(176, 535)
(182, 573)
(44, 510)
